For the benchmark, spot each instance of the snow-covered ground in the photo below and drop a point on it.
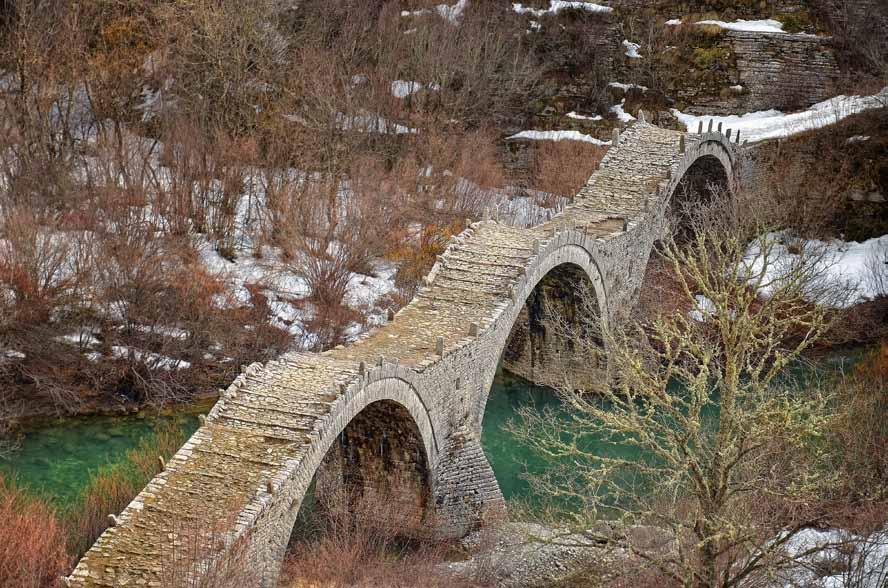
(844, 560)
(556, 6)
(773, 124)
(845, 273)
(558, 136)
(753, 26)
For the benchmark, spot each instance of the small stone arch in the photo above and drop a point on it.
(705, 169)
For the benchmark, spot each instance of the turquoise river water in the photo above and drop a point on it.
(56, 461)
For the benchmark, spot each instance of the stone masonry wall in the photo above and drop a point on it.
(783, 71)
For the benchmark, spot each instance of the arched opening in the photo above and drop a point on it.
(556, 339)
(555, 344)
(704, 182)
(369, 503)
(376, 467)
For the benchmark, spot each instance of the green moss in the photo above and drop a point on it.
(709, 57)
(796, 22)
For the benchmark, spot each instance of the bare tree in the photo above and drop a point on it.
(728, 456)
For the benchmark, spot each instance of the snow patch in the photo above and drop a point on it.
(155, 360)
(556, 6)
(451, 13)
(558, 136)
(627, 87)
(858, 139)
(574, 115)
(859, 268)
(622, 115)
(403, 88)
(753, 26)
(86, 337)
(704, 308)
(371, 123)
(774, 124)
(862, 561)
(674, 22)
(631, 49)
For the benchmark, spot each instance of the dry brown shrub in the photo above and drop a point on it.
(363, 541)
(561, 168)
(860, 428)
(32, 552)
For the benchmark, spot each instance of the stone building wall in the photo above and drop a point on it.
(767, 71)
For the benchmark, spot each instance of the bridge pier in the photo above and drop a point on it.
(466, 493)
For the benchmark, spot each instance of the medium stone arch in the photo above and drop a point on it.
(538, 348)
(382, 385)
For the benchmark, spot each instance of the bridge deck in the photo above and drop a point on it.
(269, 418)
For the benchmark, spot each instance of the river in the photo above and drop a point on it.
(56, 461)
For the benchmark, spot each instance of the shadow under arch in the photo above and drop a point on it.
(574, 251)
(556, 339)
(705, 180)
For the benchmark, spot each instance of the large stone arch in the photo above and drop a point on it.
(572, 250)
(388, 385)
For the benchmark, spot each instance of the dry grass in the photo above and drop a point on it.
(364, 542)
(561, 168)
(32, 551)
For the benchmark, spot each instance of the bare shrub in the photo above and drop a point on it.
(32, 553)
(562, 168)
(703, 479)
(877, 271)
(222, 56)
(860, 429)
(363, 541)
(41, 267)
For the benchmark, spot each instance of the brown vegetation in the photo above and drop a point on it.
(110, 490)
(133, 132)
(356, 540)
(32, 553)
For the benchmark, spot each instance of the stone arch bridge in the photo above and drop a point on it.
(400, 410)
